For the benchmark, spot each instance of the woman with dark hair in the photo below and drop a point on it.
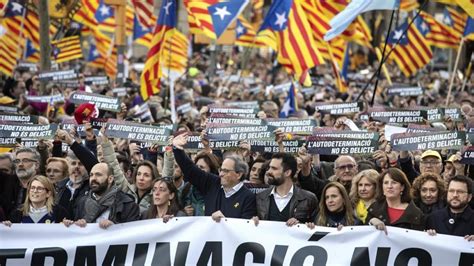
(191, 198)
(39, 204)
(165, 202)
(335, 208)
(428, 192)
(394, 206)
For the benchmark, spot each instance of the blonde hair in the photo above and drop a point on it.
(371, 175)
(323, 209)
(48, 185)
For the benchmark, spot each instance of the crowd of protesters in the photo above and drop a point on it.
(109, 181)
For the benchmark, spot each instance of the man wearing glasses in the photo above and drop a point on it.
(457, 218)
(345, 168)
(430, 163)
(27, 164)
(224, 195)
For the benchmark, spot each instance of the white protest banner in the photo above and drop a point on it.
(201, 241)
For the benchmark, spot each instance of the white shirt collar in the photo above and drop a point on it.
(290, 193)
(233, 190)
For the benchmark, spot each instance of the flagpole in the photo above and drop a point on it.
(393, 48)
(454, 72)
(382, 59)
(467, 76)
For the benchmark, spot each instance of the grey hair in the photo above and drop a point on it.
(71, 155)
(36, 155)
(7, 155)
(240, 165)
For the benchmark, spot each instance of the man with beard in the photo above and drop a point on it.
(105, 203)
(283, 201)
(27, 164)
(457, 218)
(225, 194)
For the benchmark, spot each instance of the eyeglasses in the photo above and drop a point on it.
(225, 171)
(26, 160)
(453, 191)
(430, 162)
(347, 166)
(37, 189)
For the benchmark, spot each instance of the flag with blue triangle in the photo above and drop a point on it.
(290, 106)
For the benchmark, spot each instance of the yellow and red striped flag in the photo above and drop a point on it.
(455, 20)
(413, 51)
(66, 49)
(144, 12)
(245, 34)
(295, 43)
(9, 54)
(436, 33)
(467, 5)
(409, 5)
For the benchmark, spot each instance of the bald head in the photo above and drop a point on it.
(345, 168)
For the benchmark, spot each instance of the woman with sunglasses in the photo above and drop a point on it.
(39, 204)
(165, 202)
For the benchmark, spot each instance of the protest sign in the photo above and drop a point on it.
(242, 112)
(242, 104)
(339, 108)
(396, 116)
(289, 146)
(405, 91)
(24, 119)
(96, 80)
(119, 92)
(137, 132)
(468, 156)
(217, 132)
(433, 114)
(57, 75)
(295, 126)
(32, 131)
(8, 109)
(454, 113)
(228, 119)
(102, 102)
(342, 142)
(430, 140)
(51, 99)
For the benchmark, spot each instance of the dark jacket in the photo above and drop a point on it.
(303, 204)
(336, 220)
(124, 209)
(431, 208)
(56, 216)
(68, 201)
(312, 183)
(240, 205)
(87, 158)
(406, 165)
(412, 217)
(461, 224)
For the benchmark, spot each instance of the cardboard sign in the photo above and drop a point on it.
(430, 140)
(57, 75)
(397, 116)
(138, 132)
(290, 146)
(184, 108)
(433, 115)
(96, 80)
(226, 119)
(454, 113)
(24, 119)
(33, 131)
(295, 126)
(405, 91)
(468, 156)
(32, 67)
(332, 142)
(119, 92)
(51, 99)
(8, 109)
(239, 132)
(339, 108)
(250, 113)
(242, 104)
(69, 83)
(101, 101)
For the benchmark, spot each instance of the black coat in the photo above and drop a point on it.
(461, 225)
(412, 217)
(57, 214)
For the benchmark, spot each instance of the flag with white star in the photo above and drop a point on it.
(413, 51)
(296, 45)
(14, 8)
(290, 106)
(103, 12)
(436, 33)
(455, 20)
(245, 34)
(213, 17)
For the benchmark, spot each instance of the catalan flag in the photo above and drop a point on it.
(257, 11)
(8, 54)
(245, 35)
(144, 12)
(66, 49)
(94, 58)
(290, 106)
(409, 5)
(141, 34)
(165, 28)
(337, 46)
(413, 51)
(437, 34)
(3, 7)
(212, 17)
(295, 43)
(455, 20)
(467, 5)
(30, 53)
(103, 12)
(317, 19)
(174, 55)
(469, 30)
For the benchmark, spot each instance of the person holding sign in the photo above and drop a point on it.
(394, 206)
(457, 218)
(224, 195)
(430, 163)
(283, 201)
